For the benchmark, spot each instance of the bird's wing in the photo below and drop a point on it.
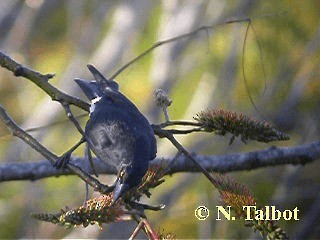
(153, 147)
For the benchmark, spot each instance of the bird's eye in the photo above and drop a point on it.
(122, 173)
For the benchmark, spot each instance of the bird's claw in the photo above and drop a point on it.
(63, 161)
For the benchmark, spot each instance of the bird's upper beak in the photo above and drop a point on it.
(90, 90)
(102, 82)
(119, 190)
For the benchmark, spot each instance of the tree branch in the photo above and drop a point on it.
(273, 156)
(41, 81)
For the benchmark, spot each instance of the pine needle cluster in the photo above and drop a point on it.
(100, 210)
(95, 211)
(236, 196)
(222, 122)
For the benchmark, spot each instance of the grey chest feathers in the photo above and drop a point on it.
(111, 141)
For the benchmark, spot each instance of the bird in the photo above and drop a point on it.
(117, 132)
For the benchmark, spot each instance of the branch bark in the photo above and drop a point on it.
(42, 81)
(273, 156)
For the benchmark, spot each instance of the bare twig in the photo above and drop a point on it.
(72, 118)
(20, 133)
(41, 81)
(149, 231)
(174, 39)
(186, 131)
(198, 127)
(136, 231)
(88, 156)
(243, 68)
(170, 137)
(179, 123)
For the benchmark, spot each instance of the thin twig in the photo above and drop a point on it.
(152, 234)
(172, 139)
(88, 156)
(177, 131)
(174, 39)
(20, 133)
(165, 112)
(149, 231)
(80, 130)
(71, 117)
(136, 231)
(179, 123)
(55, 123)
(244, 46)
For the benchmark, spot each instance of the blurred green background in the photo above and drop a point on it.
(200, 72)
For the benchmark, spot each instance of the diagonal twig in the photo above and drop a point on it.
(41, 81)
(171, 138)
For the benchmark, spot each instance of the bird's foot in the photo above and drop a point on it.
(63, 160)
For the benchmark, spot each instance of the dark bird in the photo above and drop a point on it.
(117, 132)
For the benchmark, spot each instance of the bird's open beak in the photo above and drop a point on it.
(89, 89)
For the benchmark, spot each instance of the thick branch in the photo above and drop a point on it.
(41, 81)
(273, 156)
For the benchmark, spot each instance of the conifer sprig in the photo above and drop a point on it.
(222, 122)
(236, 196)
(95, 211)
(100, 210)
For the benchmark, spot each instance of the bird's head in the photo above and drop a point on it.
(119, 190)
(122, 184)
(128, 177)
(99, 87)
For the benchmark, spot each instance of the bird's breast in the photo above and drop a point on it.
(112, 141)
